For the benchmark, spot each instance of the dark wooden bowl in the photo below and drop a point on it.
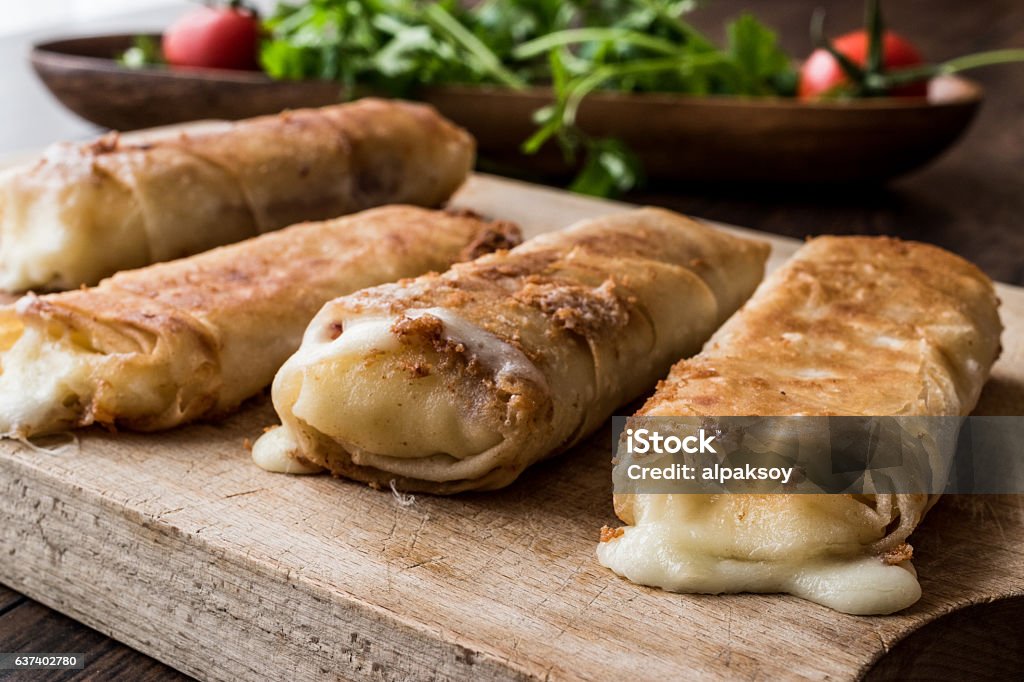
(83, 74)
(677, 137)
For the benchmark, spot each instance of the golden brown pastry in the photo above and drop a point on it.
(460, 381)
(850, 326)
(83, 212)
(153, 348)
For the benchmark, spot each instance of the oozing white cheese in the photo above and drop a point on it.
(39, 384)
(364, 390)
(660, 553)
(276, 451)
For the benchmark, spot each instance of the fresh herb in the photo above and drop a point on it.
(145, 52)
(610, 168)
(649, 50)
(576, 47)
(393, 46)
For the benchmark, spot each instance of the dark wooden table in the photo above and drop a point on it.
(971, 201)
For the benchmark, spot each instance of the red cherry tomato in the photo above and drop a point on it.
(821, 72)
(214, 38)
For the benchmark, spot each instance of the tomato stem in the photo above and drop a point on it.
(972, 61)
(876, 37)
(852, 71)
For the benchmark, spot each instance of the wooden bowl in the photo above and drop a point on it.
(715, 139)
(84, 75)
(677, 137)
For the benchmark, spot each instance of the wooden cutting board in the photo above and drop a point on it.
(178, 546)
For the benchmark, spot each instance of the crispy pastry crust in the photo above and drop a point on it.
(212, 329)
(83, 212)
(596, 313)
(850, 326)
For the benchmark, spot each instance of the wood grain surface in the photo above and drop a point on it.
(178, 546)
(9, 599)
(970, 201)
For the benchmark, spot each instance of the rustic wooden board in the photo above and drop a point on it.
(177, 545)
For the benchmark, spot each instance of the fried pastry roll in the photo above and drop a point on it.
(850, 326)
(84, 212)
(460, 381)
(153, 348)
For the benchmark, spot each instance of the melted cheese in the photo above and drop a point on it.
(857, 584)
(40, 384)
(811, 546)
(276, 451)
(362, 389)
(51, 381)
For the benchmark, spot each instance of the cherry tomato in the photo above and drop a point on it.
(214, 38)
(821, 72)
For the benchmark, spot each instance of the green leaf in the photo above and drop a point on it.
(583, 35)
(401, 54)
(474, 47)
(756, 55)
(144, 52)
(608, 170)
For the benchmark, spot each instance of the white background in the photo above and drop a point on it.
(20, 16)
(30, 117)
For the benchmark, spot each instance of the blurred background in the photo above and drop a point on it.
(969, 201)
(30, 115)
